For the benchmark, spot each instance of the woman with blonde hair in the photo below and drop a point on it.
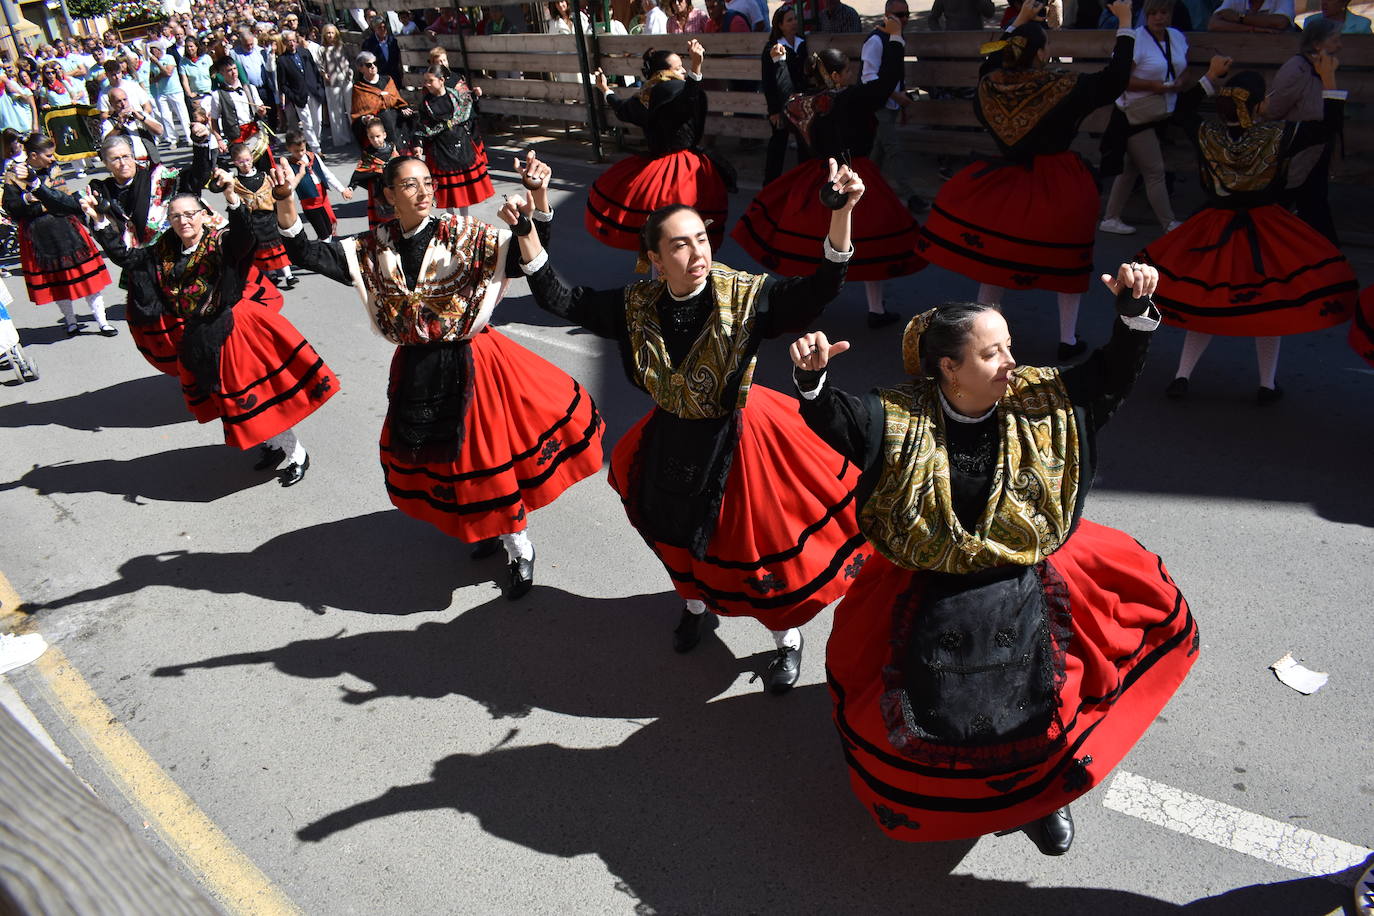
(338, 80)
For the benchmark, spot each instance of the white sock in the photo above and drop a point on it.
(696, 605)
(787, 639)
(290, 444)
(873, 289)
(518, 546)
(989, 294)
(1194, 344)
(97, 304)
(1267, 352)
(1068, 317)
(68, 310)
(286, 272)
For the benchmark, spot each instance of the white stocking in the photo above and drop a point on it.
(97, 304)
(290, 444)
(1267, 353)
(696, 605)
(286, 272)
(873, 290)
(518, 546)
(989, 294)
(787, 639)
(1068, 317)
(68, 310)
(1194, 345)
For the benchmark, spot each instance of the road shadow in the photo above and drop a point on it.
(741, 806)
(202, 474)
(336, 565)
(603, 658)
(141, 403)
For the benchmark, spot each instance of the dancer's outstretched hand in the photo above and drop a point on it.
(1140, 279)
(515, 206)
(534, 174)
(284, 179)
(846, 181)
(812, 351)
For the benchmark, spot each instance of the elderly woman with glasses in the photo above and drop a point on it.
(479, 430)
(240, 361)
(375, 96)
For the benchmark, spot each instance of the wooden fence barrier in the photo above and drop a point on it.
(537, 77)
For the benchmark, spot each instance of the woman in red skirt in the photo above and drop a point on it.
(1000, 654)
(1243, 265)
(784, 224)
(750, 513)
(455, 156)
(1029, 219)
(479, 431)
(671, 108)
(59, 259)
(240, 361)
(254, 188)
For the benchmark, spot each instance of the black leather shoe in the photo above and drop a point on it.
(109, 331)
(690, 628)
(1053, 833)
(293, 474)
(269, 457)
(483, 549)
(74, 329)
(1266, 396)
(1073, 350)
(783, 670)
(882, 319)
(520, 578)
(1177, 389)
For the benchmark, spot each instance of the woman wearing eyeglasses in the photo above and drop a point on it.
(240, 361)
(479, 431)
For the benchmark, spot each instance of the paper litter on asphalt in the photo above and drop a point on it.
(1301, 679)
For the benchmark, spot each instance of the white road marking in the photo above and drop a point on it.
(552, 340)
(1220, 824)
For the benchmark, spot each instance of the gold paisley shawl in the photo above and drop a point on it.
(1249, 162)
(261, 199)
(458, 267)
(662, 76)
(696, 389)
(192, 292)
(910, 516)
(1013, 102)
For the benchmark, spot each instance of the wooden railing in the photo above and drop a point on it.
(517, 70)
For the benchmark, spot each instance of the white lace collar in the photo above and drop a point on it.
(955, 415)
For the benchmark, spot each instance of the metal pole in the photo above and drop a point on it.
(462, 42)
(67, 18)
(9, 24)
(593, 114)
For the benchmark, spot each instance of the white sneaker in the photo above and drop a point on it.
(17, 651)
(1116, 227)
(1174, 225)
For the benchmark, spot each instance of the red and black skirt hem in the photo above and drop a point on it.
(461, 187)
(785, 225)
(1017, 226)
(621, 199)
(87, 278)
(159, 341)
(1251, 273)
(271, 257)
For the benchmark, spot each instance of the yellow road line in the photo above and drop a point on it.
(229, 875)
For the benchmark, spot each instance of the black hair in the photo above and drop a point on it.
(1021, 55)
(948, 334)
(37, 143)
(652, 232)
(1253, 84)
(778, 15)
(820, 63)
(394, 166)
(656, 59)
(293, 136)
(236, 148)
(225, 61)
(10, 136)
(438, 70)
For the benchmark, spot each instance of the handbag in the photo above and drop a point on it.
(1146, 110)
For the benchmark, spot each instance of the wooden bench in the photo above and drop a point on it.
(947, 60)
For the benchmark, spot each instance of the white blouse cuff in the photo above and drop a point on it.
(542, 216)
(293, 230)
(839, 257)
(814, 392)
(533, 266)
(1147, 320)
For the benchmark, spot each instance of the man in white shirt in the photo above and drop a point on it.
(134, 124)
(1252, 16)
(886, 146)
(116, 78)
(750, 11)
(655, 20)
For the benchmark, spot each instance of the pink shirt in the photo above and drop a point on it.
(696, 23)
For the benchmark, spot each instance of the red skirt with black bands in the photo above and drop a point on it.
(84, 279)
(1132, 642)
(1268, 273)
(271, 378)
(271, 257)
(1362, 327)
(621, 199)
(454, 189)
(1017, 226)
(785, 224)
(159, 341)
(530, 432)
(787, 543)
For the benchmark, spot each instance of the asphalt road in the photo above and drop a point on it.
(350, 699)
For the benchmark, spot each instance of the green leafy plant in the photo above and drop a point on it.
(89, 9)
(125, 11)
